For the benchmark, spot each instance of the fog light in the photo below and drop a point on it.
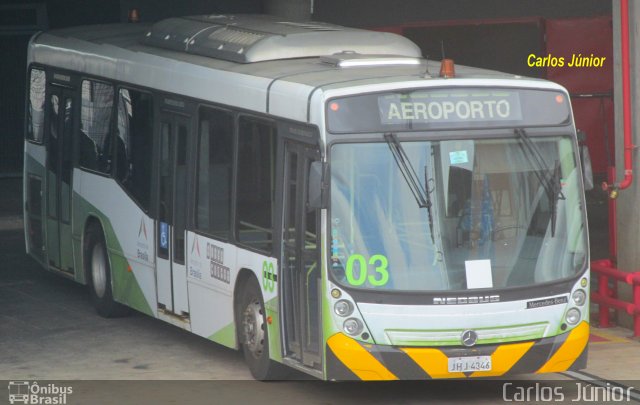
(573, 316)
(352, 326)
(343, 308)
(579, 297)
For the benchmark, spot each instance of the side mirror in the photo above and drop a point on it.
(316, 195)
(587, 170)
(585, 158)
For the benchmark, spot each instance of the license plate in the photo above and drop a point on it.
(467, 364)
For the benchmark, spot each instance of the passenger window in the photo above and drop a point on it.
(35, 124)
(215, 163)
(95, 126)
(256, 184)
(134, 142)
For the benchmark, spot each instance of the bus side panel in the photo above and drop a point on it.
(129, 234)
(213, 269)
(211, 275)
(33, 189)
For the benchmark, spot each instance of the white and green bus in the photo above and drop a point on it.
(317, 196)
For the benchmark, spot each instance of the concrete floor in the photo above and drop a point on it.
(49, 329)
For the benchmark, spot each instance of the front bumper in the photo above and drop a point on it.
(348, 359)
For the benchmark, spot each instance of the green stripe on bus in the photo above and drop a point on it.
(126, 288)
(273, 328)
(225, 336)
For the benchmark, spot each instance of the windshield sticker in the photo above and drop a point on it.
(458, 157)
(478, 273)
(336, 246)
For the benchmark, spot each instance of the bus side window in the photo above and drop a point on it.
(215, 162)
(256, 183)
(35, 123)
(134, 142)
(95, 126)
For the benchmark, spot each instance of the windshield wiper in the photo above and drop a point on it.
(557, 195)
(419, 191)
(551, 184)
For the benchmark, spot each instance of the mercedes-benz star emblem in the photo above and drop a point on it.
(469, 338)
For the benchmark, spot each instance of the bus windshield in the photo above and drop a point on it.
(503, 212)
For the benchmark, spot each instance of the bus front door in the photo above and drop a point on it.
(171, 273)
(58, 132)
(300, 262)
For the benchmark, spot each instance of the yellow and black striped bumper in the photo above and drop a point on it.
(348, 359)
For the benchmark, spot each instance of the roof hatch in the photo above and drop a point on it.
(257, 38)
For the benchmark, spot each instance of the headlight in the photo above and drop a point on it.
(353, 326)
(579, 297)
(573, 316)
(343, 308)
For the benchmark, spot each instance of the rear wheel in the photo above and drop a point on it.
(253, 334)
(98, 273)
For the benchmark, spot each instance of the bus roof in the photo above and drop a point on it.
(265, 57)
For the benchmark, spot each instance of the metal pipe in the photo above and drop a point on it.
(626, 96)
(607, 268)
(627, 307)
(603, 290)
(636, 299)
(612, 189)
(607, 298)
(613, 225)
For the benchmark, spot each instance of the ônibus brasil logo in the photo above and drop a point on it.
(25, 392)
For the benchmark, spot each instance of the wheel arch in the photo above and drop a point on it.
(244, 275)
(105, 304)
(91, 222)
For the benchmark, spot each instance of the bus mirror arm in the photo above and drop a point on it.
(317, 190)
(585, 159)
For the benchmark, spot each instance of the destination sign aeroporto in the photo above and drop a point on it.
(453, 106)
(447, 108)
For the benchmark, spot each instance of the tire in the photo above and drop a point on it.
(253, 334)
(98, 271)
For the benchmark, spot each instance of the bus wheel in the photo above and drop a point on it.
(99, 275)
(253, 335)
